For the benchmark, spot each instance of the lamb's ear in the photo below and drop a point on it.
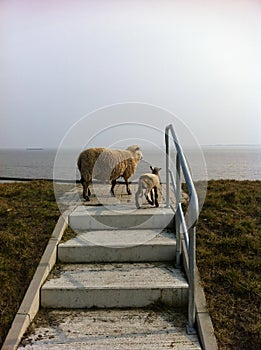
(151, 168)
(159, 169)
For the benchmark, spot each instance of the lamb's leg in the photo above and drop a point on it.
(113, 183)
(137, 200)
(156, 197)
(137, 195)
(151, 196)
(147, 196)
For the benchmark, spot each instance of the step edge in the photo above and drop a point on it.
(185, 286)
(114, 246)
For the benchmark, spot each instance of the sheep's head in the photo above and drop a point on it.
(155, 170)
(136, 151)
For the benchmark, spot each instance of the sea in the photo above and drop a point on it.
(211, 162)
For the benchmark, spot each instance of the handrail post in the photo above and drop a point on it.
(192, 290)
(178, 180)
(167, 168)
(177, 219)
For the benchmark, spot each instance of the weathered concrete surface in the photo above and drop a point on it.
(118, 246)
(114, 285)
(135, 329)
(119, 217)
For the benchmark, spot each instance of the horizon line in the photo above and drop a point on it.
(41, 148)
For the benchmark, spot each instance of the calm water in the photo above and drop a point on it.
(240, 163)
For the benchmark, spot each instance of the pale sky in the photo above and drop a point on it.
(62, 59)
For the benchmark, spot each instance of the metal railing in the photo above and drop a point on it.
(186, 227)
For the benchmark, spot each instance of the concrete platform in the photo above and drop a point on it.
(135, 329)
(114, 285)
(118, 246)
(85, 218)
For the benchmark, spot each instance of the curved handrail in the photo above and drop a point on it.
(192, 214)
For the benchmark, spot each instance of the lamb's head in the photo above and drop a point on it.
(155, 170)
(136, 151)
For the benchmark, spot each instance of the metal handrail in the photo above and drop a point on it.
(189, 227)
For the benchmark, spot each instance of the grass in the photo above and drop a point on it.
(228, 253)
(228, 257)
(28, 213)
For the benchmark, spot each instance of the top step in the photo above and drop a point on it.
(119, 217)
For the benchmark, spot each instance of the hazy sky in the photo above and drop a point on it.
(61, 59)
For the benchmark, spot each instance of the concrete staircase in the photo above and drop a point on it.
(124, 267)
(121, 259)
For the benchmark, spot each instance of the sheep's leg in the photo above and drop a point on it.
(156, 197)
(127, 186)
(82, 182)
(113, 183)
(86, 191)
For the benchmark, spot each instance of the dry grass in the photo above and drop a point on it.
(228, 257)
(28, 214)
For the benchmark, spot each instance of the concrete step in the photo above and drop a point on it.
(118, 246)
(113, 329)
(85, 218)
(114, 285)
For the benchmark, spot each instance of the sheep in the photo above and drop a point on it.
(149, 182)
(107, 164)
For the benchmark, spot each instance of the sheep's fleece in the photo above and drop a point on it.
(108, 164)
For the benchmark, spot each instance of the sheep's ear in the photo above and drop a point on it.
(151, 168)
(133, 148)
(159, 169)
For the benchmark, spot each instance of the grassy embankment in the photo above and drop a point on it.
(28, 213)
(229, 261)
(228, 253)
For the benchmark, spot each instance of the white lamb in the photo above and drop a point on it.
(149, 182)
(107, 164)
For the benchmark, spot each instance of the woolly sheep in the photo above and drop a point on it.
(149, 182)
(107, 164)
